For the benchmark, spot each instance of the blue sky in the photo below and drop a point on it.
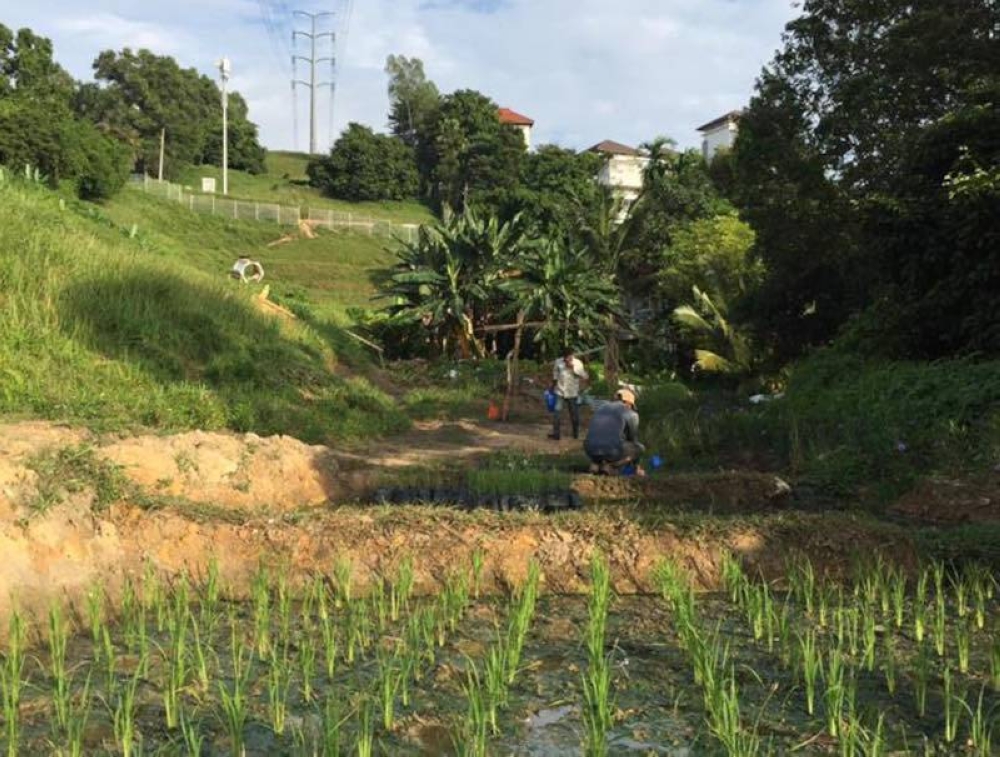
(585, 70)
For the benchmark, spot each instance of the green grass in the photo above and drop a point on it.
(328, 275)
(293, 190)
(117, 332)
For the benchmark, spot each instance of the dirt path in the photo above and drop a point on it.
(432, 443)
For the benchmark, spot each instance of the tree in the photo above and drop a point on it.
(413, 98)
(466, 154)
(38, 127)
(144, 94)
(554, 184)
(839, 164)
(363, 165)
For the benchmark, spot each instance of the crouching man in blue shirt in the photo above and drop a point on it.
(613, 436)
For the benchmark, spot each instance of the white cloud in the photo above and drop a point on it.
(585, 70)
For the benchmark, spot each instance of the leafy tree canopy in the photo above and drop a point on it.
(363, 165)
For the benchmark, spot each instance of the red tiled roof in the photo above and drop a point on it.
(508, 116)
(610, 147)
(732, 115)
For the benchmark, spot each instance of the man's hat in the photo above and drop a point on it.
(626, 395)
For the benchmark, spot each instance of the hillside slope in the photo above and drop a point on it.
(112, 331)
(330, 273)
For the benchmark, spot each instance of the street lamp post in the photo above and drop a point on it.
(224, 70)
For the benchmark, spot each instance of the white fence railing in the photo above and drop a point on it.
(286, 215)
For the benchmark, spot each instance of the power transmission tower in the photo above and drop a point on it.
(312, 60)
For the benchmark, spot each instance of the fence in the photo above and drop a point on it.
(285, 215)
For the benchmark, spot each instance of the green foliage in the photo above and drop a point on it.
(723, 348)
(844, 423)
(366, 166)
(445, 279)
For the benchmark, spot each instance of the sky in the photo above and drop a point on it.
(584, 70)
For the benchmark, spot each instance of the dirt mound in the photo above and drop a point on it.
(242, 472)
(952, 500)
(730, 491)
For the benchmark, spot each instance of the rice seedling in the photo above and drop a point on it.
(342, 578)
(980, 728)
(524, 611)
(388, 683)
(597, 707)
(953, 705)
(192, 736)
(402, 588)
(62, 688)
(889, 663)
(95, 615)
(284, 607)
(812, 665)
(331, 724)
(495, 673)
(233, 700)
(834, 692)
(920, 606)
(78, 716)
(726, 724)
(12, 682)
(124, 716)
(898, 591)
(963, 643)
(940, 625)
(870, 637)
(177, 670)
(478, 561)
(474, 736)
(261, 598)
(279, 681)
(960, 585)
(921, 678)
(307, 665)
(365, 744)
(199, 661)
(979, 598)
(208, 608)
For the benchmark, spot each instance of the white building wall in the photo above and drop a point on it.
(624, 174)
(722, 137)
(526, 133)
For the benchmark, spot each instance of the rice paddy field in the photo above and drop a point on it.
(881, 661)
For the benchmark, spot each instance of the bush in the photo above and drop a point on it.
(366, 166)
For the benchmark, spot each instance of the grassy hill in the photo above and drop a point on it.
(117, 330)
(285, 184)
(330, 273)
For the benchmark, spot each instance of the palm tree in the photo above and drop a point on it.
(729, 351)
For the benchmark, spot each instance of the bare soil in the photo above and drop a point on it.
(243, 500)
(952, 501)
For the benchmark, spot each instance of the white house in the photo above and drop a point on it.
(719, 134)
(522, 123)
(622, 169)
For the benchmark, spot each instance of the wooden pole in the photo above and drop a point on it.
(163, 141)
(512, 375)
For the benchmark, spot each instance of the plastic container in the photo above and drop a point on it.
(656, 462)
(550, 400)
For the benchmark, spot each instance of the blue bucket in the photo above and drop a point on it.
(550, 400)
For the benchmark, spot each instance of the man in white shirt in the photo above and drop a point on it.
(567, 373)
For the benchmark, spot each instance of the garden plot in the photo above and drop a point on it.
(884, 663)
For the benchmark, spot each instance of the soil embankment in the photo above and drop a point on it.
(242, 500)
